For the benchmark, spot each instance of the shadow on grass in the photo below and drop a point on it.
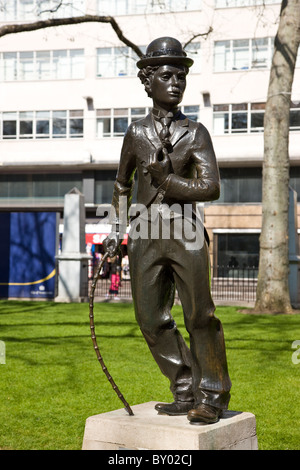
(9, 307)
(57, 339)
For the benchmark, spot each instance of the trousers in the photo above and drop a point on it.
(197, 372)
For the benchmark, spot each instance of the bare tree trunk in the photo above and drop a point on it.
(273, 289)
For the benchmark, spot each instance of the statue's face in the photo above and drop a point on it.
(167, 86)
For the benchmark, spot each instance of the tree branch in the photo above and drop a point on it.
(210, 30)
(52, 22)
(53, 10)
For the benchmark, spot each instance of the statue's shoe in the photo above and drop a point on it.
(204, 414)
(174, 409)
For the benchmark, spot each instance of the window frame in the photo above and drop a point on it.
(113, 59)
(33, 11)
(120, 61)
(140, 7)
(107, 117)
(243, 3)
(13, 65)
(229, 111)
(70, 118)
(228, 58)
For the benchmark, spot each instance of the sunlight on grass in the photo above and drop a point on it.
(51, 381)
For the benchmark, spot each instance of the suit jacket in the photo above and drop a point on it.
(195, 174)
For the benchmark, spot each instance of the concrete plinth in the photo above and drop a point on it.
(147, 430)
(73, 260)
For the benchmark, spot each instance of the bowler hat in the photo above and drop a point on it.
(164, 51)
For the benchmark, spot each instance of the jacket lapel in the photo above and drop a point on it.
(150, 131)
(180, 130)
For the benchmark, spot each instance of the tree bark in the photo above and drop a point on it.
(272, 294)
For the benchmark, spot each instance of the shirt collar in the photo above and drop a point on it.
(158, 114)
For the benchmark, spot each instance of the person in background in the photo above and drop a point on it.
(115, 282)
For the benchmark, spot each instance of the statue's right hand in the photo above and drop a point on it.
(112, 243)
(159, 166)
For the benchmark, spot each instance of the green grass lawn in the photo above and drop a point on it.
(51, 380)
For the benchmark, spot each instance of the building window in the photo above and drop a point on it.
(295, 116)
(38, 186)
(136, 7)
(9, 125)
(59, 124)
(19, 10)
(243, 3)
(104, 185)
(114, 122)
(261, 53)
(240, 185)
(42, 124)
(26, 125)
(247, 118)
(193, 50)
(116, 61)
(26, 67)
(257, 112)
(60, 65)
(55, 185)
(230, 119)
(240, 54)
(295, 180)
(120, 122)
(121, 61)
(192, 112)
(76, 123)
(243, 54)
(244, 185)
(104, 120)
(237, 254)
(8, 67)
(239, 117)
(42, 65)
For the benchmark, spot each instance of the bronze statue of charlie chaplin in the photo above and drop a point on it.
(176, 166)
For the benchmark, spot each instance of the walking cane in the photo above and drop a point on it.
(94, 339)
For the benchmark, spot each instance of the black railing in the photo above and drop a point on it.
(102, 290)
(234, 284)
(227, 284)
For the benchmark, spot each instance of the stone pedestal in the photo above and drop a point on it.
(73, 260)
(147, 430)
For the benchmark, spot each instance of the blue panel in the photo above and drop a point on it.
(4, 253)
(30, 272)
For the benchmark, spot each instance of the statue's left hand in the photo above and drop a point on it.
(159, 166)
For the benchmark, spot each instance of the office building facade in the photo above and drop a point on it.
(68, 94)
